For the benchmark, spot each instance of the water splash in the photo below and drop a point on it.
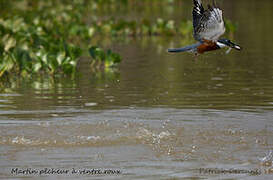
(268, 159)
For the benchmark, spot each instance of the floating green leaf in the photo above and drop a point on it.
(108, 58)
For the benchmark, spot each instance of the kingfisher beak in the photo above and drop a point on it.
(234, 46)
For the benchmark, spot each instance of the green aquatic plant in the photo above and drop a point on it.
(144, 27)
(121, 27)
(101, 58)
(185, 28)
(27, 48)
(230, 27)
(45, 40)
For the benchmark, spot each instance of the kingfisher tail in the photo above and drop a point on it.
(184, 49)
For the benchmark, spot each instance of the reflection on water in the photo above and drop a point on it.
(157, 116)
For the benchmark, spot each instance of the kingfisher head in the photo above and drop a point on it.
(226, 42)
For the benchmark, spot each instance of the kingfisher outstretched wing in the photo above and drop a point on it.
(208, 24)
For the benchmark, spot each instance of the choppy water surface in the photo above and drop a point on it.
(158, 116)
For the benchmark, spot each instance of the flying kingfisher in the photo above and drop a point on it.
(208, 27)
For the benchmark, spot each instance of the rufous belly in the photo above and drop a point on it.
(207, 46)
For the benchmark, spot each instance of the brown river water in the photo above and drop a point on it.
(157, 116)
